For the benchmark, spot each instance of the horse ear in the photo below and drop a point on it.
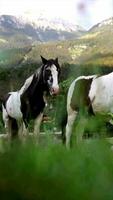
(56, 60)
(44, 61)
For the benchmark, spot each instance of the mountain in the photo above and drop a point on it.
(21, 31)
(94, 47)
(99, 44)
(108, 23)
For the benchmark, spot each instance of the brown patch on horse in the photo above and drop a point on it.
(80, 98)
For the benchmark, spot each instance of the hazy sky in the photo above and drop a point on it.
(83, 12)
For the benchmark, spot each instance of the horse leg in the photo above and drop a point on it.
(25, 130)
(5, 118)
(22, 131)
(11, 128)
(37, 124)
(69, 126)
(81, 124)
(8, 126)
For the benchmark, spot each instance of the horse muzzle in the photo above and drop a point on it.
(54, 90)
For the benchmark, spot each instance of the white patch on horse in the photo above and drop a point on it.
(55, 77)
(13, 105)
(101, 94)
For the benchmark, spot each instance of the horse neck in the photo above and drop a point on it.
(37, 86)
(39, 82)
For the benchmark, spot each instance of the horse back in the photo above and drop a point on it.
(101, 94)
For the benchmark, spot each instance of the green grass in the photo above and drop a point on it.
(51, 172)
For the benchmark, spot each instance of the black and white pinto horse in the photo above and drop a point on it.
(92, 94)
(29, 102)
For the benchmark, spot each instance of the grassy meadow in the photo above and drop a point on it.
(50, 171)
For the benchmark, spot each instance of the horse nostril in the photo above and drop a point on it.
(55, 90)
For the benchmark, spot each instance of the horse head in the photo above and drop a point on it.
(51, 72)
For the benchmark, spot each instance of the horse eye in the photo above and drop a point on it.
(48, 72)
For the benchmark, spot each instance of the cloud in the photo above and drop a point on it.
(83, 12)
(90, 12)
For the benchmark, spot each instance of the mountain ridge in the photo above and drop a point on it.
(41, 30)
(93, 47)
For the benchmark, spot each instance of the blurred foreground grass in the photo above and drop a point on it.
(51, 172)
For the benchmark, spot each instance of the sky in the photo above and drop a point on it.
(85, 13)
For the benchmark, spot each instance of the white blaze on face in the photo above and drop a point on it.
(55, 86)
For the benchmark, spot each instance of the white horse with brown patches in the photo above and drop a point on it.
(91, 94)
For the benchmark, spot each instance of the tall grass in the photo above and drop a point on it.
(51, 172)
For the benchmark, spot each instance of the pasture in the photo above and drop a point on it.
(51, 172)
(48, 170)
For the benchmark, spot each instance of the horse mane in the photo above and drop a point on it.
(29, 80)
(26, 84)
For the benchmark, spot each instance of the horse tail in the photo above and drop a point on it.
(63, 127)
(0, 107)
(63, 120)
(1, 102)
